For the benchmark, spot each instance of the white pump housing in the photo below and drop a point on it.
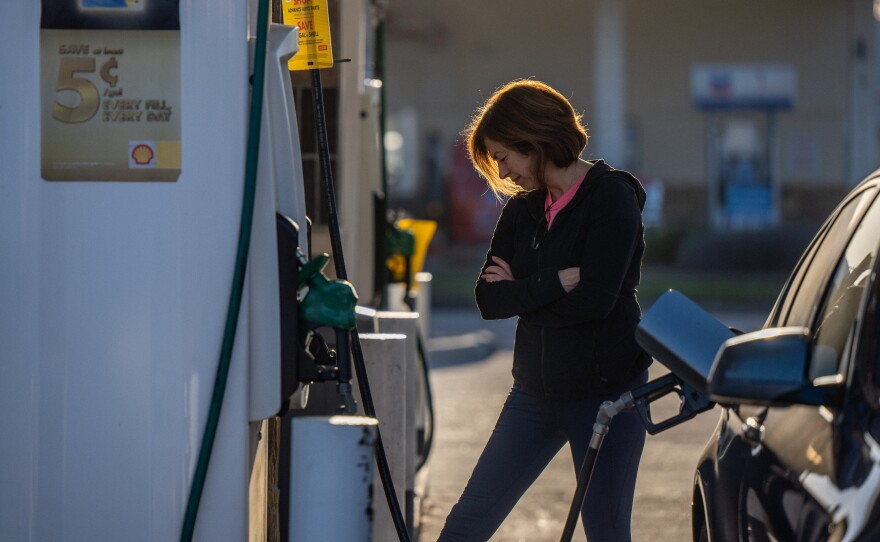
(113, 297)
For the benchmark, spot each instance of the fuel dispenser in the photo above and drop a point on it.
(405, 246)
(741, 103)
(115, 279)
(118, 227)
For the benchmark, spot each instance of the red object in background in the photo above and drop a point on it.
(472, 208)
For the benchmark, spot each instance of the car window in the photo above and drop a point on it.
(806, 288)
(783, 304)
(833, 330)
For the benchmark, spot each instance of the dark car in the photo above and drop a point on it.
(795, 455)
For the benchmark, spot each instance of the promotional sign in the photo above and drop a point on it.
(313, 20)
(110, 90)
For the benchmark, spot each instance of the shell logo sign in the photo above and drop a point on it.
(142, 155)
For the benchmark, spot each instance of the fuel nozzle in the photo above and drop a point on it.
(343, 360)
(330, 303)
(691, 401)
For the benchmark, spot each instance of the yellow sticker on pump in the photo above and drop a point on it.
(313, 21)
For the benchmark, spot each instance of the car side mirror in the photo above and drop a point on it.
(769, 367)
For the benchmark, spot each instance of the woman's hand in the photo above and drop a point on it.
(569, 278)
(497, 272)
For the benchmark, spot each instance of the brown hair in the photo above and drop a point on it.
(533, 119)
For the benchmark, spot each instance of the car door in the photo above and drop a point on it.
(794, 449)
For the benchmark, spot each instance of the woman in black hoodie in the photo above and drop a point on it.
(565, 259)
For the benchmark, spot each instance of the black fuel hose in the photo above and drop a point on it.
(429, 402)
(606, 414)
(580, 493)
(410, 302)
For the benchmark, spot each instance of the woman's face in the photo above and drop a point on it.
(511, 164)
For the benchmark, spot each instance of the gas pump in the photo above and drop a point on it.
(741, 104)
(744, 187)
(405, 245)
(122, 204)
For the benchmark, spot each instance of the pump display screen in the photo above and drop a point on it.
(110, 90)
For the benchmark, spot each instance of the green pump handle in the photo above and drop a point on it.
(399, 241)
(329, 302)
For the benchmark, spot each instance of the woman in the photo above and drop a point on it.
(565, 259)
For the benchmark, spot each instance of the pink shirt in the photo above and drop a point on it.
(552, 208)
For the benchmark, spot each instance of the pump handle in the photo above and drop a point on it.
(691, 402)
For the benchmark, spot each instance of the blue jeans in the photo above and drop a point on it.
(528, 434)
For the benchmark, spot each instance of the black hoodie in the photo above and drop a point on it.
(579, 344)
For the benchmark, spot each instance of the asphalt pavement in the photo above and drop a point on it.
(470, 376)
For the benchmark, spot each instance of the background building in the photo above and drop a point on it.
(629, 66)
